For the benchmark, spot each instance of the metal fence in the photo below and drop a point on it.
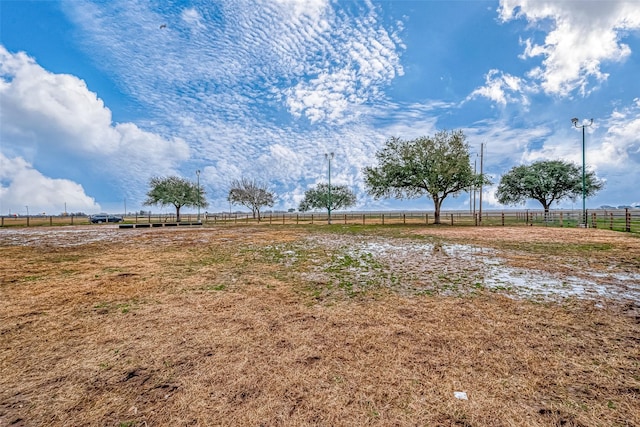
(617, 219)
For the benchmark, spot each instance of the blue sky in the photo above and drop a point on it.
(97, 97)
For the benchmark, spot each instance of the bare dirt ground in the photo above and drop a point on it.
(285, 325)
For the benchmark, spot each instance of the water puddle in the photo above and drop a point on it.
(460, 268)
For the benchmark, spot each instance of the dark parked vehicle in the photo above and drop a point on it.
(103, 217)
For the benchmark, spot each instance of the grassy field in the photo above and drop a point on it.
(337, 325)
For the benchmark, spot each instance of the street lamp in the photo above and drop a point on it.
(584, 187)
(198, 177)
(329, 157)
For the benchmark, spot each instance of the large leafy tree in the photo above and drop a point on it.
(250, 193)
(320, 197)
(435, 166)
(547, 182)
(175, 191)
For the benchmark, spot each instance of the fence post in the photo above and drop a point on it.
(404, 218)
(426, 219)
(503, 219)
(382, 219)
(611, 221)
(2, 222)
(451, 219)
(475, 219)
(311, 218)
(627, 220)
(363, 219)
(297, 218)
(269, 219)
(586, 218)
(345, 218)
(594, 220)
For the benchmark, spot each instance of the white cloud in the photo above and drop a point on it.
(583, 36)
(35, 101)
(357, 61)
(316, 59)
(49, 117)
(192, 17)
(503, 88)
(621, 143)
(314, 9)
(21, 185)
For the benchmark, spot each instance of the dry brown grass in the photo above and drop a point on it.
(213, 327)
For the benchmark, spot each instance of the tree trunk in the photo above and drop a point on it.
(436, 203)
(177, 213)
(546, 211)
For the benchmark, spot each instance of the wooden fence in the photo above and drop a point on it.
(618, 219)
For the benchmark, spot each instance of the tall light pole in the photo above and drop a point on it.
(481, 182)
(198, 178)
(575, 121)
(329, 157)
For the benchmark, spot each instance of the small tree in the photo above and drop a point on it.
(175, 191)
(320, 198)
(252, 194)
(547, 182)
(435, 166)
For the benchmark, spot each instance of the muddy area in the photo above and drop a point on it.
(455, 269)
(411, 263)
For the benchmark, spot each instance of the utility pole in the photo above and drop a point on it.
(475, 171)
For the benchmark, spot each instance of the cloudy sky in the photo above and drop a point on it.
(97, 97)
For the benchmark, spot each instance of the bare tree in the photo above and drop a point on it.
(252, 194)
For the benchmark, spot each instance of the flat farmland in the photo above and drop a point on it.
(319, 325)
